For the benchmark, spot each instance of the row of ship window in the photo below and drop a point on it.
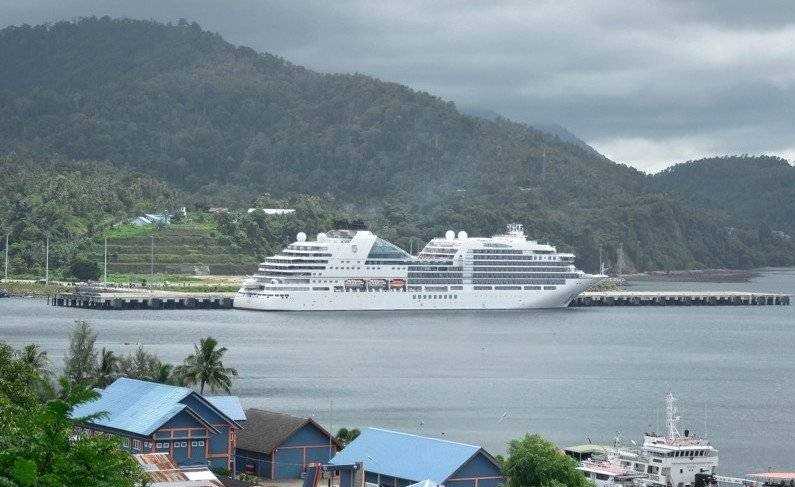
(518, 257)
(434, 296)
(549, 275)
(518, 281)
(514, 288)
(518, 266)
(435, 281)
(284, 268)
(272, 260)
(289, 254)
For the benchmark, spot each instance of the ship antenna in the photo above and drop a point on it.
(671, 416)
(705, 419)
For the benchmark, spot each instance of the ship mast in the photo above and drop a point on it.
(671, 416)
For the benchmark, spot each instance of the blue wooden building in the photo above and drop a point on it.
(279, 446)
(151, 418)
(394, 459)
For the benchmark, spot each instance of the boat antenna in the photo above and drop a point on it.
(671, 416)
(705, 418)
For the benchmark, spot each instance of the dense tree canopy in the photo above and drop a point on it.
(535, 462)
(38, 445)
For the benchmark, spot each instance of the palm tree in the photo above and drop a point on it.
(164, 373)
(108, 369)
(205, 367)
(36, 358)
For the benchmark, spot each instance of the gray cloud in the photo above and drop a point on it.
(648, 83)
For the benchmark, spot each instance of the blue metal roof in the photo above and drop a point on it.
(134, 405)
(229, 405)
(406, 456)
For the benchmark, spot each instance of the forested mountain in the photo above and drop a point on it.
(225, 124)
(754, 189)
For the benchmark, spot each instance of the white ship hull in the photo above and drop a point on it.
(415, 300)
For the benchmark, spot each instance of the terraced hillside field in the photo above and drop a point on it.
(173, 250)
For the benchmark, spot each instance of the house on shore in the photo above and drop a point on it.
(160, 418)
(395, 459)
(279, 446)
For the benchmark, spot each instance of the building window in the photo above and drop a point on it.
(159, 445)
(201, 442)
(126, 443)
(194, 443)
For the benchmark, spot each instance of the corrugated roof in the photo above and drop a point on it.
(163, 472)
(229, 405)
(140, 407)
(425, 483)
(134, 405)
(407, 456)
(266, 430)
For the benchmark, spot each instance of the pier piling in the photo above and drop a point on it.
(634, 298)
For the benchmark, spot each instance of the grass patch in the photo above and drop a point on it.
(24, 288)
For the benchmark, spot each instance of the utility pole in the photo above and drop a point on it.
(47, 261)
(105, 273)
(6, 266)
(152, 255)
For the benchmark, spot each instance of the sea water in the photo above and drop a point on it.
(573, 375)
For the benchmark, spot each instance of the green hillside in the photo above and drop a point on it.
(224, 125)
(754, 189)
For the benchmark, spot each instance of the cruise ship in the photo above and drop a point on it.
(357, 270)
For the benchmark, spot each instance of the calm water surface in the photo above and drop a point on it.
(486, 377)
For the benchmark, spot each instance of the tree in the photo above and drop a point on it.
(36, 358)
(140, 365)
(81, 361)
(83, 269)
(535, 462)
(108, 368)
(164, 373)
(38, 446)
(345, 435)
(205, 367)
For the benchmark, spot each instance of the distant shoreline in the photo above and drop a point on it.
(693, 275)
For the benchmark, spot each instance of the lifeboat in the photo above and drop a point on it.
(397, 283)
(354, 283)
(376, 283)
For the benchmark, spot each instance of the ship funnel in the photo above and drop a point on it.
(462, 235)
(449, 235)
(301, 237)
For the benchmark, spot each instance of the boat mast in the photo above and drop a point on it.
(671, 416)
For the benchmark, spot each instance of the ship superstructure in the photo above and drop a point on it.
(673, 459)
(357, 270)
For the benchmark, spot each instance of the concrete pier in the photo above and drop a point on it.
(143, 300)
(689, 298)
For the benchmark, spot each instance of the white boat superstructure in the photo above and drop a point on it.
(357, 270)
(670, 460)
(609, 472)
(675, 458)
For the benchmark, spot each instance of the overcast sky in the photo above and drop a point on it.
(645, 83)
